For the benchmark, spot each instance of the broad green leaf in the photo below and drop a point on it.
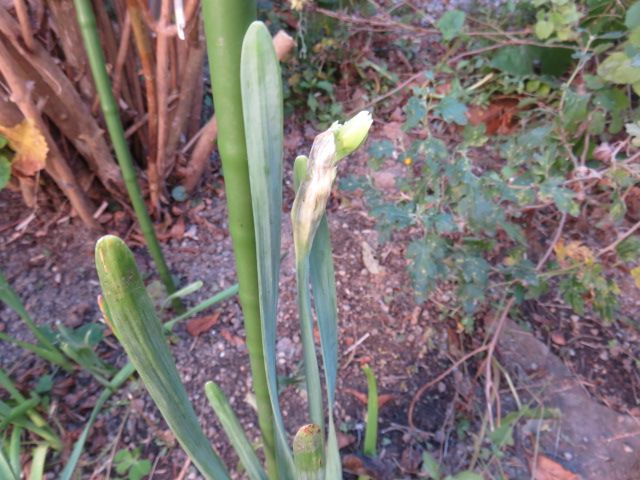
(451, 24)
(430, 466)
(140, 332)
(544, 29)
(5, 171)
(3, 141)
(617, 68)
(261, 85)
(452, 110)
(632, 18)
(629, 249)
(415, 110)
(140, 469)
(232, 427)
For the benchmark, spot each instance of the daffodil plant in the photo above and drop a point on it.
(130, 311)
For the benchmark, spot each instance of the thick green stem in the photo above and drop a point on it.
(226, 22)
(87, 21)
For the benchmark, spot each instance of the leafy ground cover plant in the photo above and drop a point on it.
(131, 313)
(544, 131)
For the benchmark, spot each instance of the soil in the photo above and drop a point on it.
(50, 264)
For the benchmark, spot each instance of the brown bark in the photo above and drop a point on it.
(162, 85)
(62, 104)
(65, 25)
(145, 52)
(55, 163)
(189, 80)
(283, 44)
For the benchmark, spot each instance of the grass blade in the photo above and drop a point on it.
(14, 448)
(117, 381)
(139, 331)
(234, 431)
(6, 472)
(261, 83)
(371, 431)
(125, 372)
(37, 462)
(209, 302)
(10, 297)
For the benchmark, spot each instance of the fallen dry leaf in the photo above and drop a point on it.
(345, 439)
(30, 146)
(383, 399)
(199, 325)
(369, 259)
(361, 465)
(498, 118)
(547, 469)
(411, 460)
(231, 338)
(558, 338)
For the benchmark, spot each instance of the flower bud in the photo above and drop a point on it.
(351, 135)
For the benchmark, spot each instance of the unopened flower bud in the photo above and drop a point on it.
(351, 135)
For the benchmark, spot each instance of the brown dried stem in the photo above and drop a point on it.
(55, 164)
(25, 24)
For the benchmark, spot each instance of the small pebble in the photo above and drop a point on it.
(568, 456)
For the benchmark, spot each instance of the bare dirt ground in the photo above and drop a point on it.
(595, 432)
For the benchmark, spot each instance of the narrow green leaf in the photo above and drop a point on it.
(209, 302)
(183, 292)
(9, 296)
(37, 462)
(139, 331)
(261, 84)
(234, 431)
(6, 472)
(14, 448)
(324, 296)
(371, 431)
(117, 381)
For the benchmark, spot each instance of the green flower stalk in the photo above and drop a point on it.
(308, 210)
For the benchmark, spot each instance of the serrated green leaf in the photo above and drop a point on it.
(543, 29)
(629, 249)
(415, 111)
(452, 110)
(140, 469)
(451, 24)
(617, 68)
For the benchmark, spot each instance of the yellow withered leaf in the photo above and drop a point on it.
(635, 273)
(30, 146)
(575, 251)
